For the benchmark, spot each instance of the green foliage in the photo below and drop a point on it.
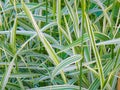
(59, 44)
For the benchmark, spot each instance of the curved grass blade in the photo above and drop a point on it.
(47, 45)
(65, 63)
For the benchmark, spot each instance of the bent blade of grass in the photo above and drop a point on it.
(65, 63)
(47, 45)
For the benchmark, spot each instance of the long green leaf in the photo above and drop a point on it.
(47, 45)
(65, 63)
(96, 53)
(58, 87)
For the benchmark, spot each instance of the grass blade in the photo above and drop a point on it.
(97, 56)
(47, 45)
(65, 63)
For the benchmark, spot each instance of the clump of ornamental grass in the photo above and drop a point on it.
(59, 44)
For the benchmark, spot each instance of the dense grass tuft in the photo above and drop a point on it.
(59, 44)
